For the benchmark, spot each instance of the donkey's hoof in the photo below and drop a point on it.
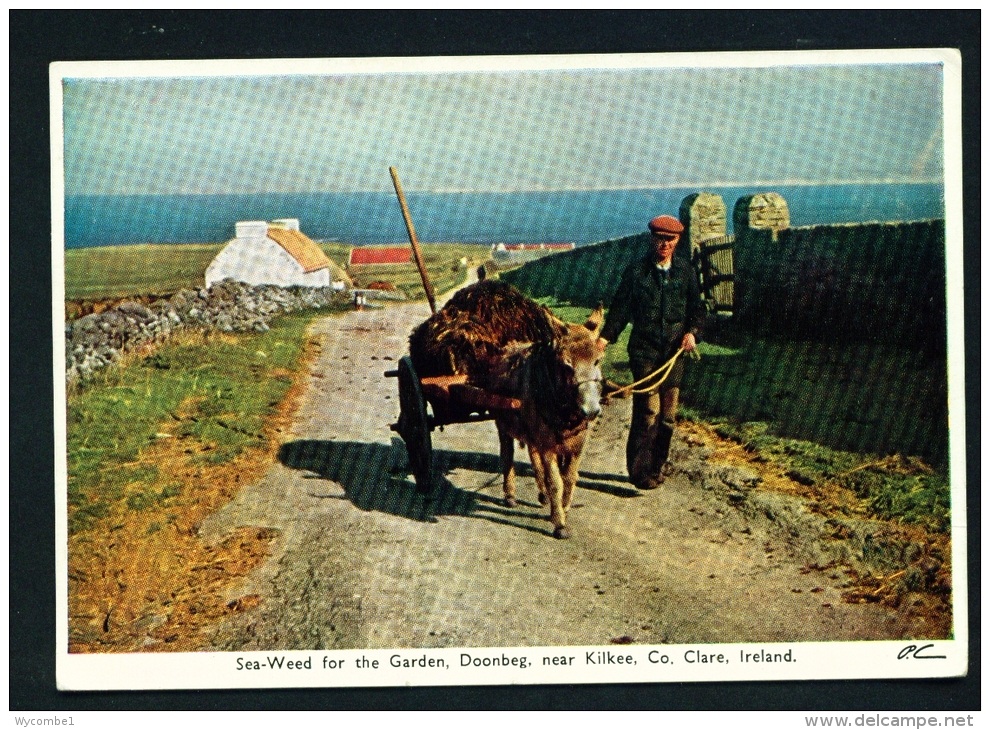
(543, 499)
(511, 502)
(561, 533)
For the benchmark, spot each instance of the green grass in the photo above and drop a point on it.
(120, 271)
(866, 397)
(111, 272)
(821, 410)
(213, 393)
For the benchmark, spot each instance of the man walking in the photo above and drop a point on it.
(659, 295)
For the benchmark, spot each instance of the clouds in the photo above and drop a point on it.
(525, 130)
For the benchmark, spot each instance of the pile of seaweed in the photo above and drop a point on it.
(468, 334)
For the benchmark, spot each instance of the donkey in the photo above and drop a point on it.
(509, 345)
(559, 384)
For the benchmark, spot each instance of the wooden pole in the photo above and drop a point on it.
(417, 254)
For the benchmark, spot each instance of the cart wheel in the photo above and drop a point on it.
(414, 426)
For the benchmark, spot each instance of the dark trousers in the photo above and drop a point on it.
(653, 418)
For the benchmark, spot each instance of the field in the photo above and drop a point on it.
(110, 272)
(442, 262)
(113, 272)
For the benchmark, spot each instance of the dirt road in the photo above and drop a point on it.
(363, 561)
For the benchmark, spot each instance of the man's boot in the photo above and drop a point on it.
(665, 432)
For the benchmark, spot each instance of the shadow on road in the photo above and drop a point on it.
(586, 480)
(374, 479)
(601, 484)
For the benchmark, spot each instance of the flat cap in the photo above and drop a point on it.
(666, 224)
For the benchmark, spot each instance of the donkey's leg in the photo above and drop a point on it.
(542, 493)
(570, 461)
(507, 453)
(540, 474)
(555, 491)
(569, 468)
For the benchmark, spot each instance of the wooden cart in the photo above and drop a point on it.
(426, 403)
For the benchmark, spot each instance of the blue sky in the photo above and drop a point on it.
(499, 131)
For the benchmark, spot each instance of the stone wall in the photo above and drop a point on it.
(844, 282)
(586, 276)
(766, 211)
(97, 340)
(703, 217)
(882, 282)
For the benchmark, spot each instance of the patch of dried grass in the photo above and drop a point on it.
(143, 580)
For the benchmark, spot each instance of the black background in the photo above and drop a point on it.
(38, 38)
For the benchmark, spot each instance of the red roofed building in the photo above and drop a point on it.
(364, 255)
(518, 253)
(538, 246)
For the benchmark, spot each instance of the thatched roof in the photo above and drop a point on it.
(301, 247)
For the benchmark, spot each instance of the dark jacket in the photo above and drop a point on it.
(661, 311)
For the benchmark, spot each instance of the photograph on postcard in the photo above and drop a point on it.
(541, 369)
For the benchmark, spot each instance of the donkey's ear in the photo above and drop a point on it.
(595, 319)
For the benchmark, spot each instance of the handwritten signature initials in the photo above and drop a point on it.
(912, 651)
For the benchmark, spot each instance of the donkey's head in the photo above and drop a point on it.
(579, 354)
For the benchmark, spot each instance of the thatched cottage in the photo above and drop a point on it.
(274, 253)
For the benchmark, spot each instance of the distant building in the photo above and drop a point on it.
(274, 253)
(366, 255)
(519, 253)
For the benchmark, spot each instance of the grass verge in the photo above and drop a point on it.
(153, 447)
(897, 487)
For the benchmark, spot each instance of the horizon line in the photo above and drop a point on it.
(458, 191)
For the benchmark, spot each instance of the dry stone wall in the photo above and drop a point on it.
(97, 340)
(877, 282)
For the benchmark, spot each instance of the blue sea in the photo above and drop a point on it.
(524, 217)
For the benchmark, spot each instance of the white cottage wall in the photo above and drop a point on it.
(259, 260)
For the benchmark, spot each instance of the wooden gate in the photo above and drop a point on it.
(717, 272)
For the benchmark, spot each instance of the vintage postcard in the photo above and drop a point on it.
(509, 370)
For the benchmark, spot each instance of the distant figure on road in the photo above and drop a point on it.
(659, 295)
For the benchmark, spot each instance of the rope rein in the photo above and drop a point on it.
(664, 369)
